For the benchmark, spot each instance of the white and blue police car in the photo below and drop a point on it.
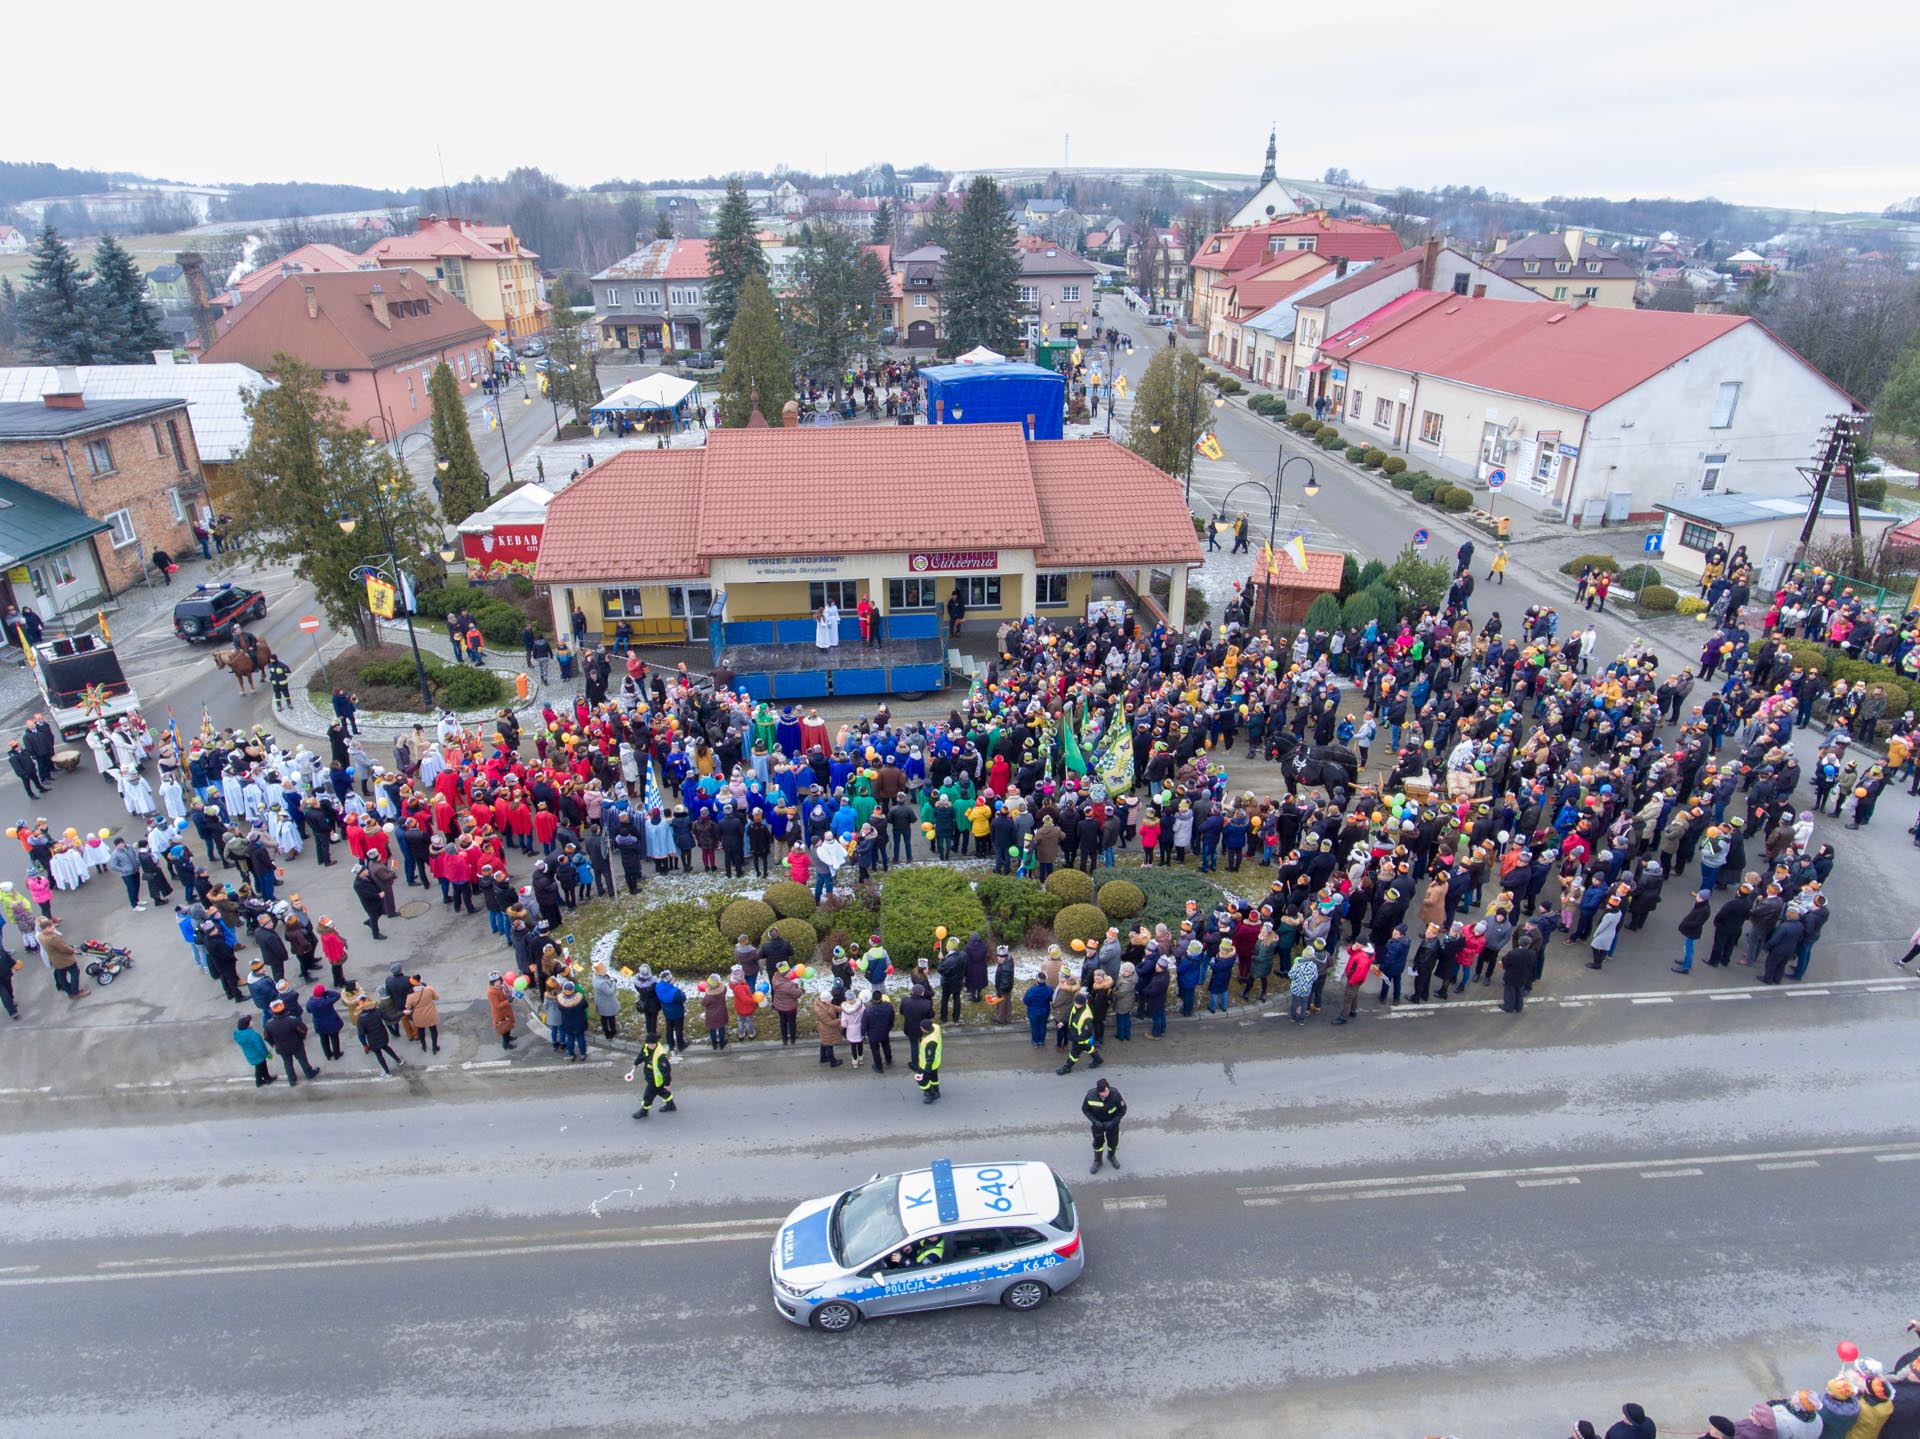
(933, 1238)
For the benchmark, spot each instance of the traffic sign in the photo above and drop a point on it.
(1420, 538)
(1652, 544)
(310, 624)
(1496, 478)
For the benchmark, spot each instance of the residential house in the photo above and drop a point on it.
(1056, 293)
(656, 298)
(1595, 413)
(315, 259)
(130, 464)
(215, 395)
(1226, 254)
(922, 273)
(47, 558)
(1249, 294)
(853, 213)
(1364, 290)
(375, 336)
(1267, 340)
(787, 198)
(1566, 266)
(13, 242)
(1767, 526)
(484, 267)
(1271, 200)
(170, 292)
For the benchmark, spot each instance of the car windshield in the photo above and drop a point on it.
(867, 1220)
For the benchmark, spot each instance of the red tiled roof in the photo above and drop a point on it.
(1580, 358)
(594, 533)
(308, 259)
(344, 335)
(435, 238)
(1371, 326)
(1360, 279)
(1322, 573)
(1259, 291)
(866, 488)
(1349, 239)
(1099, 499)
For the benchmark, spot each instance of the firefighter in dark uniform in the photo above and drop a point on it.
(926, 1064)
(1080, 1040)
(657, 1068)
(280, 677)
(1104, 1109)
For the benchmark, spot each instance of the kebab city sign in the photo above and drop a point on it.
(503, 550)
(939, 562)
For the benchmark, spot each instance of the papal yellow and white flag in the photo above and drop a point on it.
(1297, 548)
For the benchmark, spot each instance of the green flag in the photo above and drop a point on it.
(1116, 754)
(1076, 762)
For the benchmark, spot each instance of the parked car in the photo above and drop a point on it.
(534, 347)
(698, 360)
(211, 612)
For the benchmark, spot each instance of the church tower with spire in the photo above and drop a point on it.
(1271, 201)
(1267, 176)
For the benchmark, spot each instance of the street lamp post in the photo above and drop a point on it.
(398, 444)
(347, 526)
(1113, 361)
(500, 414)
(1284, 464)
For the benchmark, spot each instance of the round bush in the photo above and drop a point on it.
(1690, 605)
(467, 688)
(799, 934)
(1015, 906)
(1071, 885)
(1394, 465)
(1637, 577)
(789, 900)
(1356, 454)
(1299, 419)
(1658, 598)
(746, 916)
(1120, 899)
(1872, 489)
(1080, 921)
(680, 936)
(1457, 499)
(1598, 562)
(1373, 459)
(1331, 439)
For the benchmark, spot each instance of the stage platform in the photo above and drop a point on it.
(778, 659)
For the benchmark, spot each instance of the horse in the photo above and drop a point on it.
(244, 668)
(1332, 766)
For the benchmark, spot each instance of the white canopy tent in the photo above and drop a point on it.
(981, 355)
(649, 395)
(525, 506)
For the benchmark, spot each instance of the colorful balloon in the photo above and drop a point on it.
(520, 982)
(1847, 1350)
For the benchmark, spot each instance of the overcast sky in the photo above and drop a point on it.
(1739, 102)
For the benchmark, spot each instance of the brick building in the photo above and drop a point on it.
(131, 464)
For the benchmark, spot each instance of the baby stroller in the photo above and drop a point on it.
(105, 961)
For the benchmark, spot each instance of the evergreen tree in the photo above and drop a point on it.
(732, 255)
(571, 377)
(882, 224)
(9, 316)
(938, 226)
(125, 329)
(759, 364)
(55, 323)
(304, 470)
(833, 301)
(462, 484)
(663, 224)
(983, 274)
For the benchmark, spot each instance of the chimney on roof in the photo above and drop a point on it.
(1575, 238)
(1499, 244)
(790, 415)
(63, 390)
(1340, 268)
(1429, 262)
(313, 303)
(378, 299)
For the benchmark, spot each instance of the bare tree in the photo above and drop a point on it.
(1850, 318)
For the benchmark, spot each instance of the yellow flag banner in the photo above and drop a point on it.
(380, 597)
(1209, 445)
(1297, 548)
(1271, 559)
(1120, 386)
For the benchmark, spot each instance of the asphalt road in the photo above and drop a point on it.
(1480, 1241)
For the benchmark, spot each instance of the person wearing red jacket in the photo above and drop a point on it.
(1358, 967)
(520, 821)
(443, 820)
(546, 824)
(356, 837)
(461, 871)
(377, 843)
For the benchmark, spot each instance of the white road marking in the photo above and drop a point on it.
(1141, 1201)
(1402, 1193)
(1894, 1158)
(1656, 999)
(1887, 988)
(1805, 993)
(1791, 1164)
(1544, 1183)
(1729, 996)
(20, 1269)
(1672, 1173)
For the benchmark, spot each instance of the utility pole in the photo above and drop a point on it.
(1834, 462)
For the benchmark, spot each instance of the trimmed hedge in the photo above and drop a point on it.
(914, 901)
(500, 623)
(679, 935)
(1598, 562)
(1071, 886)
(1423, 487)
(1167, 892)
(1394, 465)
(1331, 440)
(1637, 577)
(1456, 499)
(1373, 459)
(467, 688)
(1016, 907)
(1299, 419)
(1658, 599)
(799, 934)
(751, 917)
(790, 900)
(1080, 921)
(1356, 454)
(1120, 899)
(1902, 693)
(1691, 605)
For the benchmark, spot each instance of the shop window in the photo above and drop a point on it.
(981, 592)
(1698, 537)
(1431, 424)
(911, 594)
(844, 593)
(620, 604)
(1382, 413)
(1050, 589)
(1544, 466)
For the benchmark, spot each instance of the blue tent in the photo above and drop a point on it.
(998, 394)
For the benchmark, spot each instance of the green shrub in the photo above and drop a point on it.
(1371, 571)
(1359, 611)
(1016, 907)
(1120, 899)
(1349, 576)
(1658, 599)
(1872, 490)
(1404, 483)
(1230, 386)
(1373, 459)
(1386, 601)
(680, 936)
(467, 688)
(750, 917)
(1356, 454)
(799, 934)
(1637, 577)
(789, 900)
(1080, 921)
(914, 901)
(1394, 465)
(854, 915)
(1323, 614)
(1423, 488)
(1457, 499)
(389, 672)
(1167, 892)
(1331, 440)
(1299, 420)
(1598, 562)
(1690, 605)
(1071, 885)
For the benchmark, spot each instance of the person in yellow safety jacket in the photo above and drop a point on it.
(927, 1064)
(657, 1068)
(1498, 569)
(1080, 1036)
(931, 1250)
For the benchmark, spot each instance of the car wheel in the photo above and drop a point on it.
(836, 1316)
(1027, 1294)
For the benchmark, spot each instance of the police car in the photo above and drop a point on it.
(933, 1238)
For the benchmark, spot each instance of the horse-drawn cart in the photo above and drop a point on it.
(80, 676)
